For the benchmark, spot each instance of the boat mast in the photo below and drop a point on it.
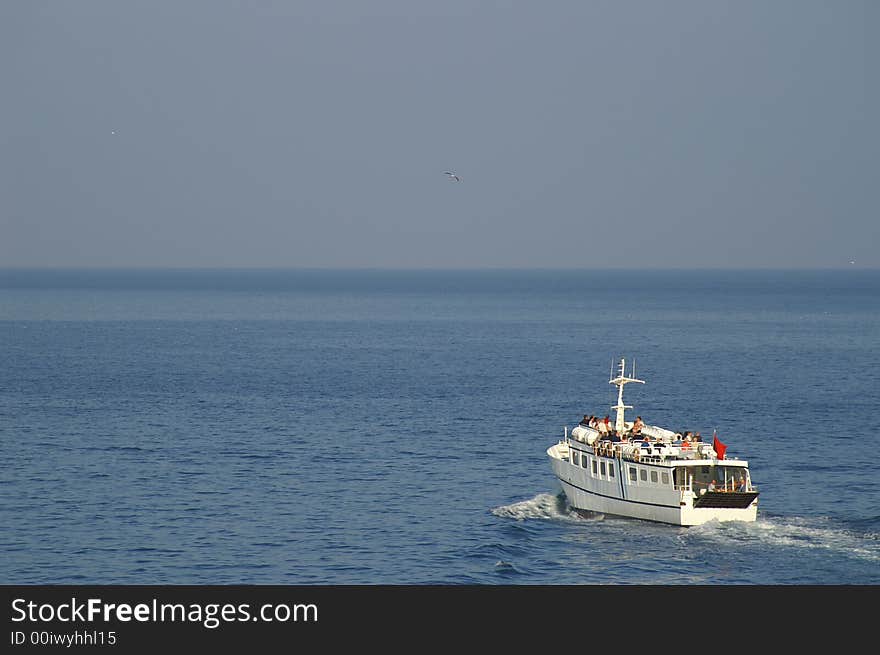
(620, 380)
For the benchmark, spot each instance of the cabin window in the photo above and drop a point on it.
(665, 477)
(653, 476)
(574, 457)
(611, 469)
(584, 460)
(595, 468)
(643, 474)
(632, 473)
(602, 468)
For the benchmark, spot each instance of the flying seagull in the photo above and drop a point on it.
(453, 176)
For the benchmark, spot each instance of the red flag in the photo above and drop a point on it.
(718, 446)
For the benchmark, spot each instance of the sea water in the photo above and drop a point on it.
(390, 427)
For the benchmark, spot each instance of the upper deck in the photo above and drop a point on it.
(661, 447)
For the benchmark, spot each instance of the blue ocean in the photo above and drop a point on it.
(390, 427)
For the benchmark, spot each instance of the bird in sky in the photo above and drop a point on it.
(453, 176)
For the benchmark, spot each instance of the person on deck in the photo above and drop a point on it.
(638, 424)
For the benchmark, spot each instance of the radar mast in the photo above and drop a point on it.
(620, 380)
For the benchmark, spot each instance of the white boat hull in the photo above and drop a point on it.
(617, 495)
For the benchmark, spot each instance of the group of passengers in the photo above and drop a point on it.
(688, 438)
(735, 483)
(607, 432)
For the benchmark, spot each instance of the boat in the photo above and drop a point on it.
(647, 472)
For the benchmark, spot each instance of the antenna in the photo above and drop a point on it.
(620, 380)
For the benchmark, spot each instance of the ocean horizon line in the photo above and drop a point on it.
(459, 280)
(422, 269)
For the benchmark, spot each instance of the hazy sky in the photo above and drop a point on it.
(620, 133)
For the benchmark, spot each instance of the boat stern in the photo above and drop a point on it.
(720, 506)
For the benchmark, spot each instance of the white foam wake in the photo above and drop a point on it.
(796, 532)
(543, 506)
